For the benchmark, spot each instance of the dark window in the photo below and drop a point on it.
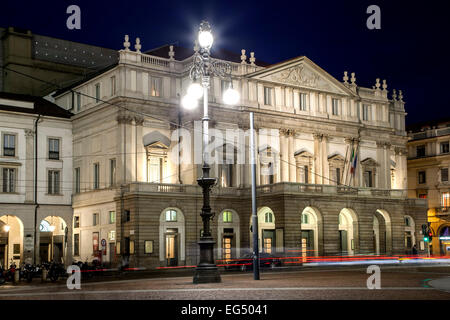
(76, 244)
(444, 147)
(422, 177)
(9, 145)
(126, 216)
(444, 174)
(53, 149)
(306, 169)
(420, 151)
(76, 222)
(97, 92)
(338, 176)
(96, 175)
(77, 180)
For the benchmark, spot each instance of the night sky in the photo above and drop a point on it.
(410, 50)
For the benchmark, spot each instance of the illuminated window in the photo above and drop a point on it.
(227, 216)
(171, 215)
(112, 217)
(268, 217)
(155, 86)
(305, 218)
(445, 199)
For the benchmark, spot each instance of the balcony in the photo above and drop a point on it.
(277, 188)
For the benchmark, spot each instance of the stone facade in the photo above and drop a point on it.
(337, 150)
(428, 166)
(36, 209)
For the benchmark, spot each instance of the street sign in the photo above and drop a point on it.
(103, 243)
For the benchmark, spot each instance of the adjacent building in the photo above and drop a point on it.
(428, 165)
(37, 65)
(35, 180)
(331, 180)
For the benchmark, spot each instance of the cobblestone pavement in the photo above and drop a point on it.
(344, 283)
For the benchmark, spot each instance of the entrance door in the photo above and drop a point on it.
(172, 247)
(308, 242)
(343, 242)
(44, 252)
(57, 252)
(268, 240)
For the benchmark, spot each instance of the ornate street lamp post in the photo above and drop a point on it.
(203, 67)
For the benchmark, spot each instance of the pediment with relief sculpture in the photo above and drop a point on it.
(301, 72)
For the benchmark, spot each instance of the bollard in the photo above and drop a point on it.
(16, 276)
(44, 275)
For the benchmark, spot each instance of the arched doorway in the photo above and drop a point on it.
(347, 230)
(52, 239)
(266, 230)
(310, 232)
(11, 240)
(172, 237)
(384, 236)
(228, 235)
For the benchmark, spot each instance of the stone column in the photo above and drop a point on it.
(380, 178)
(387, 159)
(284, 156)
(29, 165)
(140, 152)
(324, 155)
(317, 158)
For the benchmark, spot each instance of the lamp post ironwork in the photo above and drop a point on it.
(202, 69)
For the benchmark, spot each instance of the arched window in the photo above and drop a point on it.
(407, 222)
(228, 216)
(305, 218)
(44, 226)
(171, 215)
(268, 217)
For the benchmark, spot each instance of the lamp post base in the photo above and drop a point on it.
(206, 271)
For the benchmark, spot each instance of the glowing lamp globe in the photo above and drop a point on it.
(188, 102)
(195, 90)
(231, 96)
(6, 228)
(51, 228)
(205, 39)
